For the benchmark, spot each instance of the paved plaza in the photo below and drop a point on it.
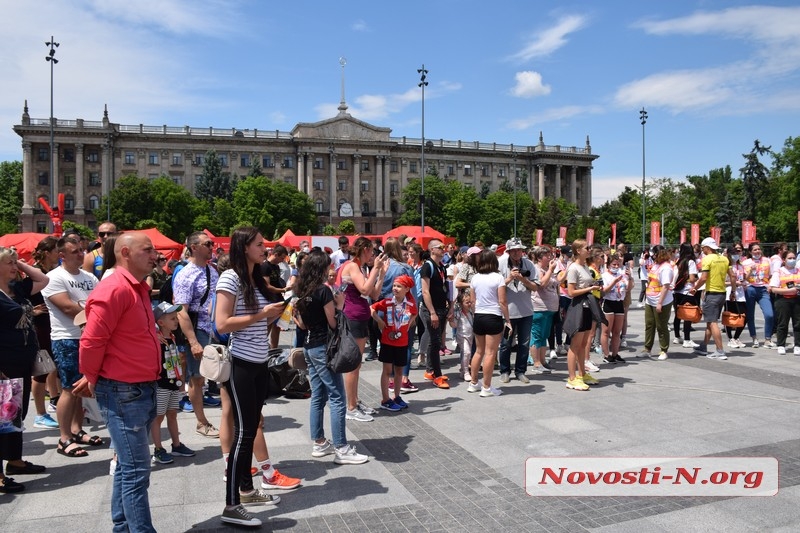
(456, 462)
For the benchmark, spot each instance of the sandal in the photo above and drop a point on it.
(94, 440)
(77, 451)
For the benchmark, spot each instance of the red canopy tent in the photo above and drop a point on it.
(25, 243)
(290, 240)
(162, 243)
(219, 242)
(423, 238)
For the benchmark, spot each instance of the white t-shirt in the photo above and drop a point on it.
(620, 288)
(485, 287)
(251, 343)
(691, 270)
(338, 258)
(77, 287)
(665, 277)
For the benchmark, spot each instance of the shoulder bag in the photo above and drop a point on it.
(216, 363)
(43, 364)
(689, 313)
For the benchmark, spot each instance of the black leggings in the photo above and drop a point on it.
(247, 389)
(676, 324)
(643, 293)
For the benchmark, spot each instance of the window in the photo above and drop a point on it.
(468, 170)
(130, 158)
(450, 170)
(501, 172)
(365, 164)
(412, 166)
(69, 179)
(69, 202)
(320, 206)
(484, 171)
(319, 185)
(93, 156)
(69, 155)
(393, 166)
(394, 188)
(266, 162)
(223, 159)
(365, 207)
(288, 162)
(177, 159)
(94, 179)
(244, 161)
(152, 158)
(342, 185)
(41, 226)
(44, 154)
(341, 164)
(44, 178)
(318, 163)
(364, 186)
(177, 180)
(94, 202)
(199, 159)
(516, 173)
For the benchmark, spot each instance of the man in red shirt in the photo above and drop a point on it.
(120, 358)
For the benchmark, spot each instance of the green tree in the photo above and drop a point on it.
(259, 201)
(131, 201)
(82, 230)
(255, 168)
(435, 200)
(347, 227)
(174, 208)
(329, 230)
(11, 199)
(557, 212)
(461, 212)
(755, 176)
(214, 183)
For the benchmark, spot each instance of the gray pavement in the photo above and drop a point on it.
(455, 462)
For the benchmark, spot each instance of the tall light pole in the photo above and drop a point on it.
(331, 161)
(51, 58)
(514, 170)
(422, 83)
(643, 117)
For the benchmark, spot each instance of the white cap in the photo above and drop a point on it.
(711, 243)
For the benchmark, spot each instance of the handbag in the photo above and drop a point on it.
(216, 363)
(689, 313)
(43, 364)
(733, 320)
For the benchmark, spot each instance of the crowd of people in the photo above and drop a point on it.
(89, 307)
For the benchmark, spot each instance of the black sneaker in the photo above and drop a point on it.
(617, 358)
(8, 486)
(28, 469)
(609, 359)
(238, 515)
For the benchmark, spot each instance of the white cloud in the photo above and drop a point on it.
(555, 114)
(180, 17)
(678, 91)
(529, 85)
(360, 25)
(548, 41)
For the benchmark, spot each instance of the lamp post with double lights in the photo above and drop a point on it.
(514, 170)
(51, 58)
(423, 73)
(332, 199)
(643, 117)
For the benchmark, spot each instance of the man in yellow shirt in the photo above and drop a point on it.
(714, 268)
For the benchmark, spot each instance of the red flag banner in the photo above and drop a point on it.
(562, 231)
(539, 235)
(696, 234)
(614, 234)
(747, 232)
(683, 235)
(589, 236)
(655, 233)
(716, 232)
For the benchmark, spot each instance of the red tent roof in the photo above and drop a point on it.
(25, 243)
(162, 243)
(423, 238)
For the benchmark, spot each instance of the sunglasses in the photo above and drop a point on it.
(438, 247)
(207, 244)
(102, 234)
(160, 259)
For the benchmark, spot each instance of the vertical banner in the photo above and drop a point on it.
(562, 231)
(655, 233)
(716, 232)
(747, 231)
(683, 235)
(589, 236)
(614, 235)
(696, 233)
(539, 235)
(755, 239)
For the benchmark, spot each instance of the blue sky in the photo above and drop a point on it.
(713, 75)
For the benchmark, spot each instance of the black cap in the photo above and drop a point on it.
(566, 250)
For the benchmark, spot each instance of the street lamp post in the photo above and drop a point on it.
(514, 170)
(643, 117)
(423, 73)
(332, 161)
(51, 58)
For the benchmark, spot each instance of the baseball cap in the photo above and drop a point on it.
(464, 249)
(409, 240)
(710, 242)
(165, 308)
(566, 250)
(473, 250)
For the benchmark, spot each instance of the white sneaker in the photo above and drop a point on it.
(796, 350)
(643, 353)
(560, 350)
(473, 387)
(755, 343)
(690, 344)
(364, 408)
(733, 343)
(662, 356)
(591, 367)
(358, 415)
(347, 455)
(623, 343)
(467, 376)
(676, 340)
(640, 305)
(491, 391)
(769, 344)
(321, 450)
(553, 355)
(717, 354)
(782, 350)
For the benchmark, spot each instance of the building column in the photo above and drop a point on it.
(573, 186)
(332, 185)
(379, 203)
(356, 198)
(80, 181)
(27, 178)
(105, 170)
(587, 188)
(309, 173)
(300, 179)
(541, 182)
(54, 177)
(557, 193)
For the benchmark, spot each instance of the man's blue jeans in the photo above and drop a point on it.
(129, 409)
(326, 386)
(521, 328)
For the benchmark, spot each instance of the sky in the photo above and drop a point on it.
(713, 76)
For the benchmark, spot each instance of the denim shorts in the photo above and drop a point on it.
(192, 362)
(65, 355)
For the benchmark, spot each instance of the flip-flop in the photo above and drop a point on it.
(77, 451)
(94, 440)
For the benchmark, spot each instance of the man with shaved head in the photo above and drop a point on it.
(120, 358)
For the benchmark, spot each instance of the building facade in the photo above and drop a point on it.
(350, 169)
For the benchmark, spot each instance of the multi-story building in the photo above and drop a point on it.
(350, 169)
